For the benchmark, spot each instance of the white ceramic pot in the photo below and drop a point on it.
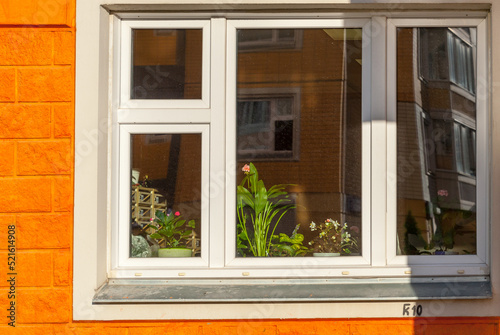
(326, 254)
(174, 252)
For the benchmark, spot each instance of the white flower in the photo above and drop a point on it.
(312, 225)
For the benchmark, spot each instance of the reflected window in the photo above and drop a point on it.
(268, 126)
(254, 39)
(461, 61)
(465, 147)
(447, 54)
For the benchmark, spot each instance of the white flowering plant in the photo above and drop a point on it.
(332, 237)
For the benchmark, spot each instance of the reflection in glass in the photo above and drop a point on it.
(166, 178)
(299, 124)
(436, 141)
(166, 64)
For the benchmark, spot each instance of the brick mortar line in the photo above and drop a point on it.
(39, 27)
(43, 66)
(25, 66)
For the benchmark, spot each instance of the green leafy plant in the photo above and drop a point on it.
(333, 237)
(262, 209)
(171, 229)
(291, 246)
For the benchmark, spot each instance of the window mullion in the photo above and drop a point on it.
(217, 140)
(483, 136)
(380, 158)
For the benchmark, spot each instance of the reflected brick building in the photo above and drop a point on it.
(436, 120)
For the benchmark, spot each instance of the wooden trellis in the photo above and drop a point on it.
(145, 202)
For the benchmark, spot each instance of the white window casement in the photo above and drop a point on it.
(351, 112)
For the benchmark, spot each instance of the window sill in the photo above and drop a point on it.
(153, 291)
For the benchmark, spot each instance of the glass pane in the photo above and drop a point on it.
(166, 64)
(253, 125)
(166, 194)
(461, 58)
(255, 35)
(436, 205)
(305, 144)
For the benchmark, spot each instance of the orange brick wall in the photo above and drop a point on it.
(36, 178)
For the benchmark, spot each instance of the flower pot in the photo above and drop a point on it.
(326, 254)
(174, 252)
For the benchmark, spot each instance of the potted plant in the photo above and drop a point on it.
(172, 232)
(291, 246)
(262, 209)
(333, 239)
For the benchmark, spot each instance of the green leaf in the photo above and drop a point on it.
(260, 198)
(156, 236)
(245, 197)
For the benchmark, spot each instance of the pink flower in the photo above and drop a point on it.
(177, 213)
(246, 168)
(443, 193)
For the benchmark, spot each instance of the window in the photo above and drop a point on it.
(448, 54)
(295, 116)
(461, 55)
(344, 124)
(465, 147)
(267, 39)
(296, 150)
(436, 211)
(268, 124)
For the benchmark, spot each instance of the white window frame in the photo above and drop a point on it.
(126, 64)
(94, 175)
(289, 266)
(211, 263)
(458, 264)
(372, 230)
(121, 261)
(139, 116)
